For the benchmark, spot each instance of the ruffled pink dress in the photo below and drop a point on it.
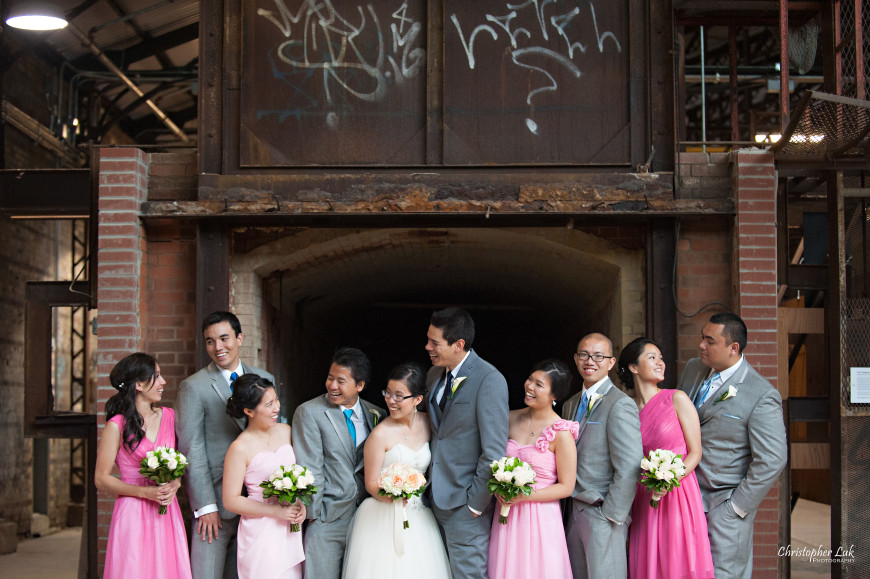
(670, 541)
(266, 547)
(143, 543)
(532, 543)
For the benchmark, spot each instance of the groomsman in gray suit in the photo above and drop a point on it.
(468, 410)
(609, 451)
(328, 436)
(205, 432)
(743, 438)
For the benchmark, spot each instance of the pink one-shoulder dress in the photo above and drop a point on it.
(671, 540)
(532, 543)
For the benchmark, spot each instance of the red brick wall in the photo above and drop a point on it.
(170, 302)
(734, 263)
(120, 250)
(755, 266)
(147, 282)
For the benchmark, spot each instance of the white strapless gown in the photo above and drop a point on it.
(375, 537)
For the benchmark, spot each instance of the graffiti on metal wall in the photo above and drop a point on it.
(527, 48)
(355, 51)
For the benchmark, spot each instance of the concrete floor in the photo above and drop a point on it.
(56, 555)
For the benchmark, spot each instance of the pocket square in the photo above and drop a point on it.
(732, 416)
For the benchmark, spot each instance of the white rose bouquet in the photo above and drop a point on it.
(163, 465)
(661, 472)
(401, 481)
(290, 483)
(510, 477)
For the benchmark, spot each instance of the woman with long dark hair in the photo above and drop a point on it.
(669, 540)
(142, 543)
(267, 548)
(532, 543)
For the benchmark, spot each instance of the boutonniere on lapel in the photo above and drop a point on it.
(457, 384)
(593, 400)
(732, 392)
(375, 416)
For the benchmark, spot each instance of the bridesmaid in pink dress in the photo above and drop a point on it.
(142, 543)
(266, 547)
(671, 540)
(532, 543)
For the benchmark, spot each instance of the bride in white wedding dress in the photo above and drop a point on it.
(378, 546)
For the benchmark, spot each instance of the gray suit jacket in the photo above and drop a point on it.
(609, 451)
(471, 433)
(323, 444)
(743, 438)
(205, 432)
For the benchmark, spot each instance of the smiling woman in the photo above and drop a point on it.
(135, 426)
(252, 457)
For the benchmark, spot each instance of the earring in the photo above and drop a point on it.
(554, 402)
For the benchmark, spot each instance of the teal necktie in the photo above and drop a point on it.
(350, 427)
(584, 405)
(233, 378)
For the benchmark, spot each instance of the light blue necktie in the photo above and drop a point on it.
(705, 388)
(233, 378)
(350, 426)
(584, 404)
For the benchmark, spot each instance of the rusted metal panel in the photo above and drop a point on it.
(212, 278)
(211, 117)
(537, 82)
(415, 82)
(333, 83)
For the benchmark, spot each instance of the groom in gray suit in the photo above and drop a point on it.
(743, 438)
(205, 432)
(468, 412)
(328, 436)
(609, 451)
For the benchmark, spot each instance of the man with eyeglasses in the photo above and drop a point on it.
(609, 451)
(328, 436)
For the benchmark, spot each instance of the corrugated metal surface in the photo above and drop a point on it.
(112, 31)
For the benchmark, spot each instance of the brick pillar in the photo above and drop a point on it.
(755, 278)
(123, 183)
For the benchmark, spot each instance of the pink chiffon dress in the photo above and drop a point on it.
(143, 543)
(532, 543)
(266, 547)
(670, 541)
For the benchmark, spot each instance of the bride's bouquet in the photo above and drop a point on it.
(163, 465)
(290, 483)
(661, 471)
(510, 477)
(401, 481)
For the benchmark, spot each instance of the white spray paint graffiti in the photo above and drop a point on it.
(320, 39)
(526, 55)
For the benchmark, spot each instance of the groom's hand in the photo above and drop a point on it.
(208, 525)
(474, 513)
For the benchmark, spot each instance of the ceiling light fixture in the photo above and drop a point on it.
(36, 16)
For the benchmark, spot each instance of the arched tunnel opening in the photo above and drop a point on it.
(532, 292)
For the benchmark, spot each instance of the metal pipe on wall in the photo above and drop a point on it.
(101, 56)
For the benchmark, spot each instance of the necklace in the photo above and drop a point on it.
(260, 438)
(532, 433)
(413, 420)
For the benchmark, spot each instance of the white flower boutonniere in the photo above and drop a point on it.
(457, 384)
(732, 392)
(593, 400)
(375, 416)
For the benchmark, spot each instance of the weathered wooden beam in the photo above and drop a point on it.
(420, 203)
(507, 192)
(46, 193)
